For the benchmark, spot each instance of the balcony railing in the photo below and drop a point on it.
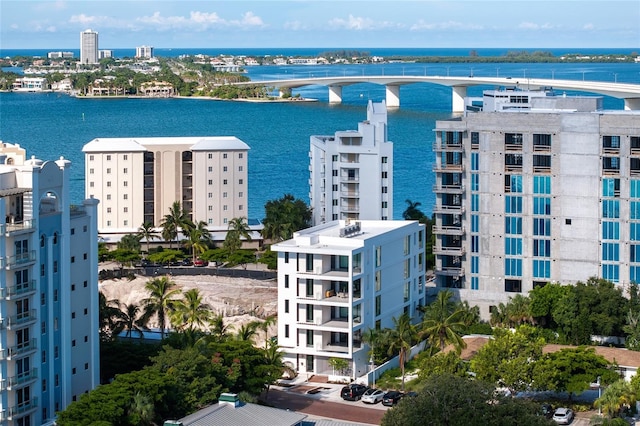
(448, 250)
(19, 409)
(19, 379)
(11, 228)
(17, 350)
(449, 271)
(20, 319)
(440, 168)
(18, 290)
(448, 209)
(447, 230)
(441, 146)
(20, 259)
(448, 189)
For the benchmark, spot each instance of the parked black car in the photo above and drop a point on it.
(353, 392)
(391, 398)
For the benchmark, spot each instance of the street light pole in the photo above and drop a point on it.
(599, 395)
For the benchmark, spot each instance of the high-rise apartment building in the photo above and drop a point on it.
(138, 179)
(531, 188)
(339, 279)
(49, 341)
(89, 47)
(351, 172)
(144, 52)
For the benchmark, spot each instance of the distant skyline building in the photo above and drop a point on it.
(144, 52)
(351, 172)
(531, 188)
(105, 53)
(49, 338)
(59, 54)
(89, 47)
(138, 179)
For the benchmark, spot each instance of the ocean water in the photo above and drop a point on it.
(50, 125)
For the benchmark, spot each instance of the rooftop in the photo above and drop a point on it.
(193, 143)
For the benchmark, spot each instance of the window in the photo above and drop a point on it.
(239, 168)
(224, 182)
(286, 330)
(286, 281)
(224, 155)
(240, 155)
(286, 306)
(125, 210)
(378, 305)
(90, 171)
(224, 169)
(378, 282)
(210, 182)
(240, 181)
(240, 194)
(240, 207)
(210, 156)
(384, 160)
(91, 158)
(513, 286)
(210, 169)
(125, 171)
(125, 157)
(611, 142)
(385, 175)
(109, 184)
(125, 183)
(108, 196)
(384, 189)
(108, 158)
(108, 209)
(541, 140)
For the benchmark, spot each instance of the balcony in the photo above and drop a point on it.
(443, 168)
(20, 319)
(19, 260)
(336, 347)
(347, 179)
(19, 380)
(448, 250)
(18, 227)
(17, 410)
(449, 271)
(19, 290)
(329, 296)
(442, 146)
(448, 189)
(448, 209)
(21, 349)
(447, 230)
(338, 324)
(350, 194)
(350, 208)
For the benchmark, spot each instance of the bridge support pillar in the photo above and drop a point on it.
(631, 104)
(393, 96)
(335, 94)
(457, 98)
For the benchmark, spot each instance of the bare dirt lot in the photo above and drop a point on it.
(238, 300)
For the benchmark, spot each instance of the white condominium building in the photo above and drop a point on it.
(138, 179)
(49, 327)
(89, 47)
(144, 52)
(339, 279)
(533, 188)
(351, 172)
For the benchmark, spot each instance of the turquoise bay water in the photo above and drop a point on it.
(52, 125)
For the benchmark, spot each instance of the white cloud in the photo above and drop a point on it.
(589, 27)
(358, 23)
(50, 5)
(294, 26)
(534, 26)
(86, 20)
(252, 20)
(199, 21)
(51, 29)
(421, 25)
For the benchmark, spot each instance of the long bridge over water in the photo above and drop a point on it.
(630, 93)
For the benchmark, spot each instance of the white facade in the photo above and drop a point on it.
(534, 188)
(351, 173)
(88, 47)
(339, 279)
(49, 340)
(144, 52)
(138, 179)
(30, 84)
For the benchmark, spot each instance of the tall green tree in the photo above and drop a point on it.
(147, 232)
(400, 339)
(237, 230)
(616, 397)
(412, 212)
(443, 322)
(509, 358)
(285, 216)
(190, 313)
(130, 318)
(175, 222)
(198, 239)
(109, 312)
(162, 295)
(129, 242)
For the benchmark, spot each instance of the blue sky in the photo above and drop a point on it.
(322, 23)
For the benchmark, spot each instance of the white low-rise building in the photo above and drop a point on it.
(339, 279)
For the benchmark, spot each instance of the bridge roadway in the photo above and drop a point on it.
(629, 92)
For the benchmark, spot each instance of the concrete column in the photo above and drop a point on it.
(393, 96)
(457, 98)
(335, 94)
(631, 104)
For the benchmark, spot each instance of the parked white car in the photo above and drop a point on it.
(563, 416)
(372, 396)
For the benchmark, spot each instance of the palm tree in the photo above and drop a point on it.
(160, 300)
(372, 337)
(400, 339)
(274, 359)
(142, 409)
(218, 329)
(176, 221)
(518, 311)
(237, 229)
(247, 331)
(190, 312)
(108, 313)
(264, 326)
(147, 232)
(198, 239)
(129, 319)
(443, 322)
(412, 212)
(616, 396)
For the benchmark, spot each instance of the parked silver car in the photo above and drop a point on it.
(563, 416)
(372, 396)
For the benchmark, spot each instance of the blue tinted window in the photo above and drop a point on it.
(611, 209)
(475, 220)
(513, 204)
(542, 269)
(516, 183)
(474, 264)
(634, 274)
(475, 202)
(542, 184)
(542, 248)
(475, 182)
(474, 244)
(542, 205)
(610, 230)
(634, 231)
(611, 273)
(513, 267)
(634, 251)
(634, 207)
(513, 225)
(611, 252)
(474, 283)
(542, 227)
(474, 161)
(634, 188)
(513, 246)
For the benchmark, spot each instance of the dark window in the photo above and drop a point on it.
(513, 286)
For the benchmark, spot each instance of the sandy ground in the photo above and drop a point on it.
(239, 300)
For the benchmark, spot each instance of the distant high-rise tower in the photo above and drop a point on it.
(89, 47)
(144, 52)
(352, 171)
